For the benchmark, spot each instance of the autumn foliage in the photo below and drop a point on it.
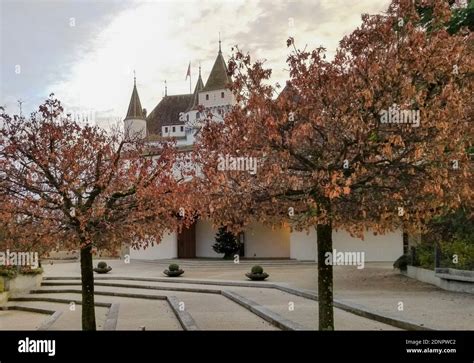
(79, 187)
(327, 157)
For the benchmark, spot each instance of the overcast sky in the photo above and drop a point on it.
(85, 51)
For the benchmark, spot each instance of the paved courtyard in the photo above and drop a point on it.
(215, 295)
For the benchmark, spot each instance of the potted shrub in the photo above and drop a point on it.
(257, 274)
(102, 268)
(173, 271)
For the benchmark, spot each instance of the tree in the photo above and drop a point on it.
(460, 15)
(83, 188)
(373, 139)
(20, 233)
(226, 243)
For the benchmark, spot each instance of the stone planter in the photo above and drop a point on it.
(3, 298)
(174, 273)
(3, 293)
(446, 279)
(22, 284)
(257, 277)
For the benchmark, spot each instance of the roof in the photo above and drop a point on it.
(167, 112)
(218, 78)
(135, 107)
(195, 100)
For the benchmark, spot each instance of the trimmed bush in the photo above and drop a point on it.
(257, 274)
(102, 268)
(173, 271)
(173, 267)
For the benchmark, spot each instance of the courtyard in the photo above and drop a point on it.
(216, 295)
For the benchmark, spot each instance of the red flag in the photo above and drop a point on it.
(188, 73)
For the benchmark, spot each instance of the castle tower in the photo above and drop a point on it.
(215, 95)
(135, 122)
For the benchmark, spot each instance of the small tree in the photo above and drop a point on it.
(83, 188)
(226, 243)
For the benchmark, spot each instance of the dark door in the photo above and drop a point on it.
(187, 242)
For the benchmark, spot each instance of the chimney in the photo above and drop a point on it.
(144, 112)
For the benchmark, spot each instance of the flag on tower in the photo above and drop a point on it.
(188, 73)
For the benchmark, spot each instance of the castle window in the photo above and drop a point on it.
(173, 129)
(198, 115)
(222, 94)
(166, 130)
(207, 97)
(187, 117)
(182, 128)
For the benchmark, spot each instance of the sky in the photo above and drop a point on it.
(86, 51)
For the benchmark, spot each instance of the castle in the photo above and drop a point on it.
(179, 117)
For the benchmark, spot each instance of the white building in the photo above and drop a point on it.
(178, 116)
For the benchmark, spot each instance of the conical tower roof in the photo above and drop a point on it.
(135, 110)
(218, 79)
(199, 87)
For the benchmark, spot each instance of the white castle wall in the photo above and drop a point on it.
(215, 98)
(263, 241)
(167, 131)
(205, 238)
(387, 247)
(135, 127)
(167, 248)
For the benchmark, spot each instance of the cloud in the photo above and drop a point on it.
(38, 37)
(159, 38)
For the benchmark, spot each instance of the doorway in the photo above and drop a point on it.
(187, 242)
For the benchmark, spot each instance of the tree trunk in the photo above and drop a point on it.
(87, 277)
(325, 278)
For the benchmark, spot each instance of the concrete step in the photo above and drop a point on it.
(300, 312)
(133, 314)
(210, 311)
(304, 312)
(219, 263)
(21, 320)
(68, 319)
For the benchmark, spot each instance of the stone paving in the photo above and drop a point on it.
(20, 320)
(144, 303)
